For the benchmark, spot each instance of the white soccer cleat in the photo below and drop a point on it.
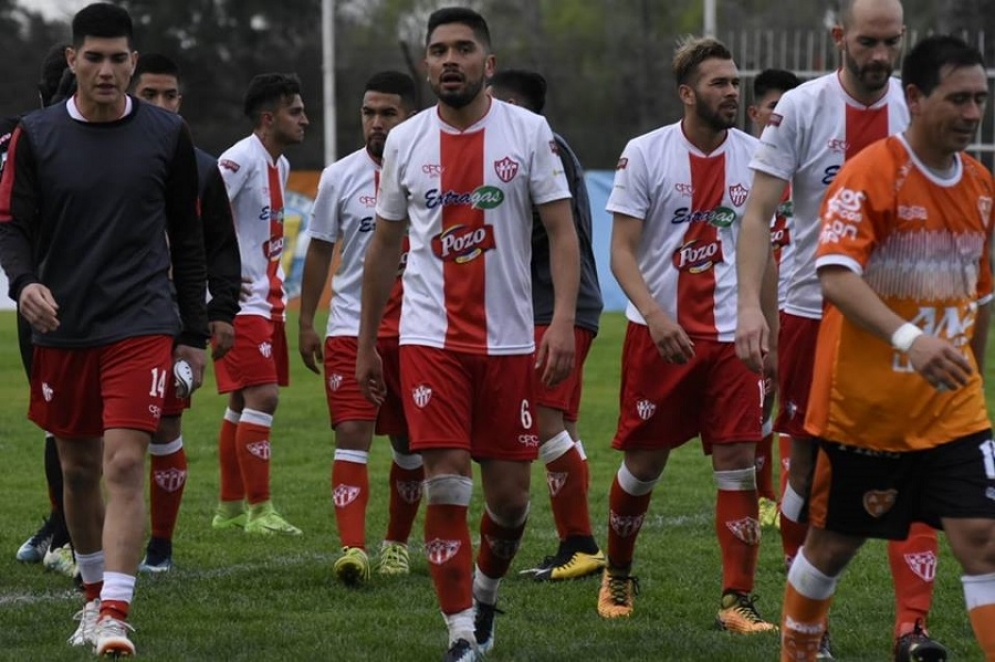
(61, 560)
(111, 638)
(87, 617)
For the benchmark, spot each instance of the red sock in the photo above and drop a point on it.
(450, 556)
(405, 497)
(565, 477)
(784, 453)
(167, 478)
(117, 609)
(625, 518)
(913, 568)
(92, 591)
(737, 526)
(253, 446)
(765, 468)
(350, 494)
(587, 466)
(498, 545)
(231, 476)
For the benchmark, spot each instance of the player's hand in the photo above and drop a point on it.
(369, 375)
(309, 345)
(196, 357)
(753, 338)
(556, 353)
(670, 339)
(246, 290)
(940, 363)
(222, 338)
(38, 307)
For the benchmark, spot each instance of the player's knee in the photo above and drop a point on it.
(973, 543)
(262, 398)
(550, 423)
(354, 435)
(124, 468)
(449, 490)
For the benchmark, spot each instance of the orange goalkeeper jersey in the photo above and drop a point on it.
(921, 240)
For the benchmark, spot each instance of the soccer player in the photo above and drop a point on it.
(558, 408)
(255, 173)
(157, 81)
(676, 201)
(464, 175)
(343, 215)
(768, 87)
(814, 129)
(50, 544)
(93, 216)
(897, 403)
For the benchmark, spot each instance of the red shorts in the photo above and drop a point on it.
(172, 405)
(80, 393)
(795, 367)
(258, 357)
(663, 405)
(565, 396)
(483, 404)
(346, 403)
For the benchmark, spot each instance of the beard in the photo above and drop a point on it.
(714, 118)
(459, 99)
(375, 145)
(872, 76)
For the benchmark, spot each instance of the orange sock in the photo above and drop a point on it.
(765, 468)
(567, 486)
(167, 478)
(913, 569)
(979, 591)
(737, 526)
(231, 476)
(803, 620)
(447, 541)
(405, 496)
(498, 545)
(350, 494)
(628, 502)
(253, 446)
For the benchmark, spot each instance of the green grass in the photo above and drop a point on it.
(237, 598)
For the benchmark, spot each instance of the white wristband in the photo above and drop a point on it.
(904, 336)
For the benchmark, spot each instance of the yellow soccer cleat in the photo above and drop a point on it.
(353, 567)
(394, 559)
(615, 595)
(739, 614)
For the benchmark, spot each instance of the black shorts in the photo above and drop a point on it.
(875, 494)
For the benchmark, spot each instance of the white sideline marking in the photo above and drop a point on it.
(15, 599)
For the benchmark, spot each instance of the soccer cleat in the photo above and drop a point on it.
(545, 564)
(228, 518)
(111, 638)
(61, 560)
(33, 549)
(615, 595)
(769, 513)
(353, 567)
(87, 617)
(461, 650)
(158, 556)
(152, 565)
(916, 646)
(483, 625)
(394, 559)
(739, 614)
(825, 651)
(577, 565)
(264, 520)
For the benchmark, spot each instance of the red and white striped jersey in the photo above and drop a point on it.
(812, 131)
(691, 205)
(469, 195)
(255, 188)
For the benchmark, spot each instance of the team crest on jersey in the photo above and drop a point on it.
(555, 480)
(463, 243)
(502, 548)
(343, 495)
(737, 194)
(686, 190)
(368, 201)
(170, 480)
(878, 502)
(625, 526)
(335, 381)
(923, 564)
(985, 209)
(421, 395)
(260, 449)
(645, 409)
(506, 169)
(696, 257)
(47, 392)
(228, 164)
(746, 529)
(439, 551)
(266, 349)
(408, 490)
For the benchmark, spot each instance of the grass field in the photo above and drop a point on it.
(232, 597)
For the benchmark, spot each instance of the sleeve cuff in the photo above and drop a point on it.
(840, 261)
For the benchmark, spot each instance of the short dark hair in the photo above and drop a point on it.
(692, 52)
(780, 80)
(101, 19)
(463, 15)
(529, 86)
(157, 64)
(394, 82)
(53, 68)
(923, 64)
(266, 91)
